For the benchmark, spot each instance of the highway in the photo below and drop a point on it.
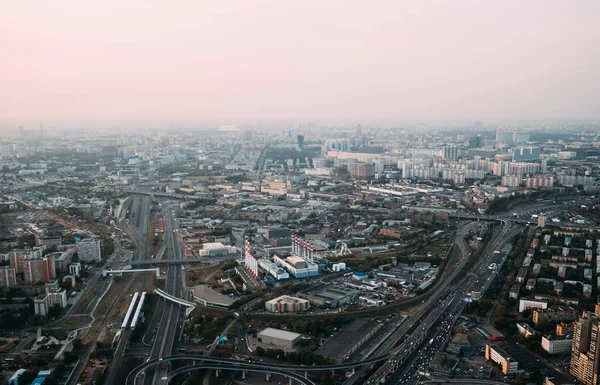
(281, 372)
(171, 321)
(414, 354)
(462, 231)
(230, 361)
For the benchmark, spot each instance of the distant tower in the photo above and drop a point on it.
(301, 142)
(358, 131)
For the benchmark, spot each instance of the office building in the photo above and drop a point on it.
(88, 250)
(585, 349)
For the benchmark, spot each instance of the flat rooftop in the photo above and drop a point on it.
(212, 245)
(208, 294)
(278, 333)
(339, 346)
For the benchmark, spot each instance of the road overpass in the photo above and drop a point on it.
(180, 261)
(243, 364)
(268, 372)
(109, 272)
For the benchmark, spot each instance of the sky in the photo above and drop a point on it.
(231, 61)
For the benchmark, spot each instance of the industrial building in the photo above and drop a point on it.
(333, 295)
(273, 269)
(206, 296)
(297, 266)
(216, 249)
(350, 339)
(278, 338)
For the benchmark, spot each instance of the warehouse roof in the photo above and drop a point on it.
(278, 333)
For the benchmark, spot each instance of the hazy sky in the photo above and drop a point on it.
(247, 60)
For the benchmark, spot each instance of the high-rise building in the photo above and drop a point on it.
(88, 250)
(504, 136)
(34, 267)
(520, 137)
(475, 142)
(586, 346)
(362, 170)
(450, 152)
(525, 154)
(8, 276)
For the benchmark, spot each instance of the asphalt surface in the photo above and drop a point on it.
(171, 321)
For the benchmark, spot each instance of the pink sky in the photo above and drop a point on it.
(236, 61)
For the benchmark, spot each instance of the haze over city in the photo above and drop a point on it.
(301, 193)
(78, 64)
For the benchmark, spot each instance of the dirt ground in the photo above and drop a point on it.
(114, 304)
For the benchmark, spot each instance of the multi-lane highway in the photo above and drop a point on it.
(402, 366)
(459, 238)
(170, 325)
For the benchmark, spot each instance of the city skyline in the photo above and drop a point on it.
(231, 62)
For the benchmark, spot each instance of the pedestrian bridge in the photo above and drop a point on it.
(190, 305)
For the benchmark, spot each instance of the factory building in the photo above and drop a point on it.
(297, 266)
(278, 338)
(273, 269)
